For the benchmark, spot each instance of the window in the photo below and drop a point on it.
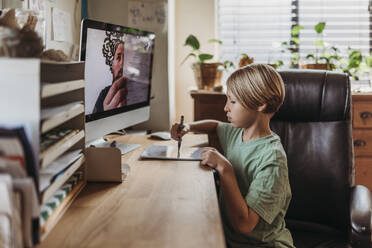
(347, 24)
(257, 28)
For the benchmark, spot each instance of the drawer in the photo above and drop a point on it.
(363, 172)
(362, 142)
(362, 114)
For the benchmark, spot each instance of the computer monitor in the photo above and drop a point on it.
(118, 71)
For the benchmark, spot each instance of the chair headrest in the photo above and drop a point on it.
(314, 95)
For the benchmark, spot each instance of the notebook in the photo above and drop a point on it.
(170, 153)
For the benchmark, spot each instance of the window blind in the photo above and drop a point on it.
(257, 28)
(347, 24)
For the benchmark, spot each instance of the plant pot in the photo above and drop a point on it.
(316, 66)
(207, 75)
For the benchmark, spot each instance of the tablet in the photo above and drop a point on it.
(170, 153)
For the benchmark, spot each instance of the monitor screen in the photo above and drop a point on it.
(118, 74)
(118, 68)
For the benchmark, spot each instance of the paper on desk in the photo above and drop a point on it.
(47, 175)
(61, 21)
(170, 153)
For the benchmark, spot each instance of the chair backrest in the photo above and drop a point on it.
(314, 124)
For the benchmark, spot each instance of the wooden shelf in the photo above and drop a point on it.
(50, 95)
(61, 117)
(52, 89)
(61, 179)
(60, 210)
(47, 156)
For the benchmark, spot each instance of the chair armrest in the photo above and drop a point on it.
(360, 216)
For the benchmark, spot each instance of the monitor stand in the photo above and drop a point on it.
(123, 147)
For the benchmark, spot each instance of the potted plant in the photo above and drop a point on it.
(245, 60)
(325, 57)
(207, 75)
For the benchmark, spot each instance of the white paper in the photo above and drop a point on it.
(146, 14)
(36, 5)
(58, 165)
(62, 30)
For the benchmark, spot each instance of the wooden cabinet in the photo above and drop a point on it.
(209, 105)
(362, 135)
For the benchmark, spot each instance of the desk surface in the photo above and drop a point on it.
(160, 204)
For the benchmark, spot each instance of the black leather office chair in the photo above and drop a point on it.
(314, 124)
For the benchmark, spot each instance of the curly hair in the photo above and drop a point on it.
(110, 44)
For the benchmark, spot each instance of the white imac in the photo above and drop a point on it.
(118, 72)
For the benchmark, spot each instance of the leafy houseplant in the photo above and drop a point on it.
(207, 75)
(352, 66)
(323, 58)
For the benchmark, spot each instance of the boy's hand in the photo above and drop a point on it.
(212, 158)
(178, 134)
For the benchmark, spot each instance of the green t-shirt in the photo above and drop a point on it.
(260, 168)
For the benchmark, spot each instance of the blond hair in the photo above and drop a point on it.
(255, 85)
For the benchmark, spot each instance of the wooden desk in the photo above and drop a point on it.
(160, 204)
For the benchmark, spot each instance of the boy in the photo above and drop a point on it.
(255, 190)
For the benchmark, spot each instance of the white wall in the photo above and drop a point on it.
(114, 11)
(198, 18)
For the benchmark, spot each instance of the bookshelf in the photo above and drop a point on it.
(48, 100)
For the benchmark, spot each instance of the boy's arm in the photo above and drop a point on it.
(243, 218)
(203, 126)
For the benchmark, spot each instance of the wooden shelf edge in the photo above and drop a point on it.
(59, 148)
(53, 89)
(62, 179)
(53, 122)
(61, 209)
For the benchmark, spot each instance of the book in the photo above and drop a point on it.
(14, 145)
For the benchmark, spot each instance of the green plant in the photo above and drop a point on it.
(352, 65)
(319, 44)
(292, 47)
(200, 57)
(329, 56)
(323, 52)
(368, 60)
